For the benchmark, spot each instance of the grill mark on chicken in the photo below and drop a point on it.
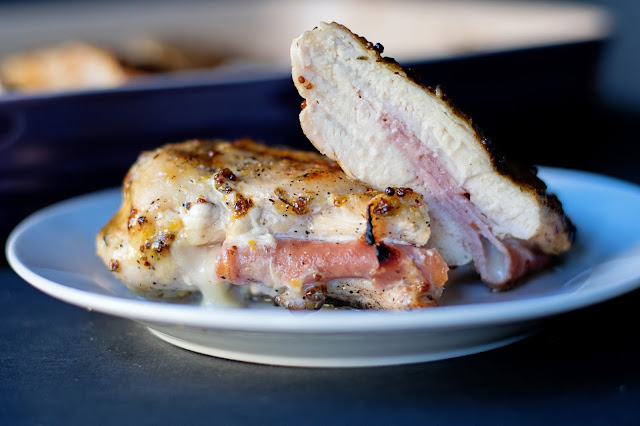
(299, 205)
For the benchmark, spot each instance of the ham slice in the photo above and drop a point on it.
(308, 266)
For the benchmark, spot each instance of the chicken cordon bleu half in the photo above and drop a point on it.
(383, 128)
(240, 219)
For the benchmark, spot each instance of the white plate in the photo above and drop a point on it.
(54, 251)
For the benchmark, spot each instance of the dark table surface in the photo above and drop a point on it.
(60, 364)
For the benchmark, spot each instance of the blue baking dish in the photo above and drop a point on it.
(53, 146)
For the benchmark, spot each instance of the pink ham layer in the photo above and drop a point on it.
(498, 261)
(311, 262)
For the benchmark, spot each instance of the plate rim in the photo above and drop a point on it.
(276, 320)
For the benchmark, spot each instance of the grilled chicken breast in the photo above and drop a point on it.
(383, 128)
(214, 215)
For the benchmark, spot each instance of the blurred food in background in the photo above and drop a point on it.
(66, 66)
(79, 65)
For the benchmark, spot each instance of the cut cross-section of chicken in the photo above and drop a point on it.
(383, 128)
(213, 215)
